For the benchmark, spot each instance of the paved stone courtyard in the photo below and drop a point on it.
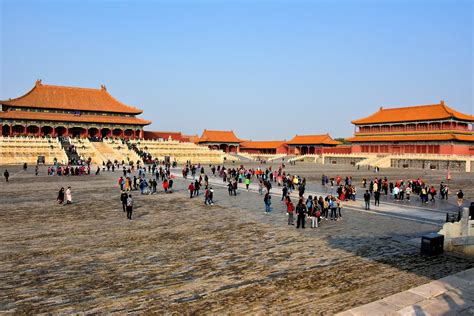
(179, 256)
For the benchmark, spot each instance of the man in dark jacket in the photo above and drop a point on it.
(367, 199)
(376, 197)
(6, 174)
(301, 212)
(123, 198)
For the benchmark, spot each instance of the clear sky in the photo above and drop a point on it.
(265, 69)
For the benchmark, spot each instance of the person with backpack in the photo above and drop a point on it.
(290, 209)
(301, 213)
(268, 202)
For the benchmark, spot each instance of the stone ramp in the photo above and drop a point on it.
(452, 295)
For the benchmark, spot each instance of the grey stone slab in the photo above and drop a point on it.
(428, 290)
(375, 308)
(404, 299)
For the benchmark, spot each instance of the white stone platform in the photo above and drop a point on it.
(452, 295)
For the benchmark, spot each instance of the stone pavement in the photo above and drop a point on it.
(452, 295)
(178, 255)
(435, 216)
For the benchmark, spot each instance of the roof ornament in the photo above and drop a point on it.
(38, 82)
(102, 87)
(381, 108)
(441, 102)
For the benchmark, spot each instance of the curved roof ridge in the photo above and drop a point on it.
(71, 98)
(410, 106)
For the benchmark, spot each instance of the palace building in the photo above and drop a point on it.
(69, 111)
(424, 129)
(223, 140)
(310, 144)
(264, 147)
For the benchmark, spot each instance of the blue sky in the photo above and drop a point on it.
(265, 69)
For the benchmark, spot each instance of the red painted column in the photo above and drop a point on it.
(39, 131)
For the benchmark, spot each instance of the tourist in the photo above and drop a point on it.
(230, 188)
(6, 175)
(234, 187)
(432, 193)
(25, 166)
(36, 170)
(284, 192)
(290, 208)
(68, 195)
(60, 198)
(460, 196)
(247, 183)
(208, 196)
(301, 213)
(123, 199)
(191, 190)
(121, 183)
(377, 198)
(339, 207)
(408, 192)
(333, 207)
(260, 187)
(268, 202)
(367, 199)
(170, 185)
(129, 207)
(197, 186)
(165, 185)
(312, 214)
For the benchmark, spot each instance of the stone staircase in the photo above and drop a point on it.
(240, 157)
(69, 149)
(107, 152)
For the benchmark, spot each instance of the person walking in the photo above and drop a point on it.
(268, 202)
(284, 192)
(191, 190)
(60, 198)
(210, 196)
(301, 212)
(68, 195)
(36, 170)
(123, 199)
(197, 187)
(290, 209)
(247, 183)
(367, 199)
(6, 175)
(129, 207)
